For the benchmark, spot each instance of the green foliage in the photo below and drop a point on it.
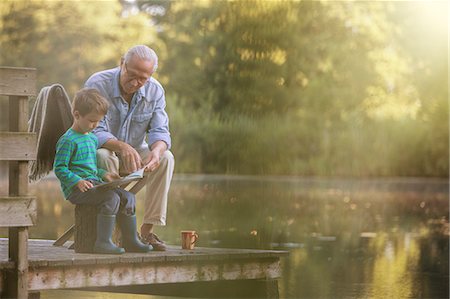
(311, 88)
(67, 40)
(342, 88)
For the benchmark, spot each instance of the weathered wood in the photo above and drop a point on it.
(85, 228)
(18, 211)
(17, 146)
(65, 237)
(104, 275)
(139, 185)
(18, 113)
(17, 278)
(17, 81)
(53, 267)
(18, 179)
(34, 295)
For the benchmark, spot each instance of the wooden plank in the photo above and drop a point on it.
(18, 178)
(43, 278)
(6, 265)
(53, 267)
(138, 186)
(65, 237)
(18, 114)
(17, 146)
(43, 250)
(17, 81)
(18, 211)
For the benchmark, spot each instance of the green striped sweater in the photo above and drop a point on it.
(76, 159)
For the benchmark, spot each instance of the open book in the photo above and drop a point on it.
(135, 176)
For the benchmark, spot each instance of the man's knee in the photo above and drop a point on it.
(167, 158)
(107, 160)
(105, 154)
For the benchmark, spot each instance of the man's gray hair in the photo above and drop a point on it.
(142, 52)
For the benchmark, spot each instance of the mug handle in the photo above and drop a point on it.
(195, 239)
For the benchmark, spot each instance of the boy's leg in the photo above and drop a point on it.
(108, 202)
(127, 222)
(127, 201)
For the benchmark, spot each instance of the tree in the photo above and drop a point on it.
(68, 40)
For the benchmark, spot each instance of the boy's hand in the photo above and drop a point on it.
(110, 176)
(84, 186)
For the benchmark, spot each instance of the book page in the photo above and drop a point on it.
(135, 176)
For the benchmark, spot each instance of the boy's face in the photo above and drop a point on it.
(87, 123)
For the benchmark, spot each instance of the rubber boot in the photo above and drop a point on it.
(105, 227)
(130, 240)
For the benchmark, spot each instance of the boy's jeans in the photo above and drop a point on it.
(108, 202)
(157, 186)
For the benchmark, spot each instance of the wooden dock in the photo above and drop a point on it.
(51, 267)
(30, 266)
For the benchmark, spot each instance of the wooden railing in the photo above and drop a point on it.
(17, 146)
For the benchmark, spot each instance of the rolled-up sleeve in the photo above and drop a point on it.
(159, 125)
(102, 133)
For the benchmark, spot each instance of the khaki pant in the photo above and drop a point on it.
(158, 183)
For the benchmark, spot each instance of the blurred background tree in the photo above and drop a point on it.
(265, 87)
(68, 40)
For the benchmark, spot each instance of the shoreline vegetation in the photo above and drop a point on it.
(309, 88)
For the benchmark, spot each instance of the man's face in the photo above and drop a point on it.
(134, 74)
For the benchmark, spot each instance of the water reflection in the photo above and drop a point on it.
(347, 238)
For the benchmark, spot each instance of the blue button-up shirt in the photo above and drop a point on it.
(139, 124)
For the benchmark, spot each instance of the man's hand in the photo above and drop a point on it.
(84, 185)
(110, 176)
(152, 161)
(130, 158)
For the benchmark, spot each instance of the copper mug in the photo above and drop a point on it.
(188, 239)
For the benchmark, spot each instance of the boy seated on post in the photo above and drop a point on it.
(76, 168)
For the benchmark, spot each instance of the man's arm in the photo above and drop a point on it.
(130, 157)
(159, 146)
(159, 125)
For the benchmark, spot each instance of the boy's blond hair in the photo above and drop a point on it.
(89, 100)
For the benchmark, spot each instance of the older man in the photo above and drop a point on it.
(135, 132)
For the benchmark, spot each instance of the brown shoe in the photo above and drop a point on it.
(152, 239)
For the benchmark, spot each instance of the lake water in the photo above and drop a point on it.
(363, 238)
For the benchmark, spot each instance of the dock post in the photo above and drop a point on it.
(18, 210)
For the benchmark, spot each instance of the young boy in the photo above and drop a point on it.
(76, 168)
